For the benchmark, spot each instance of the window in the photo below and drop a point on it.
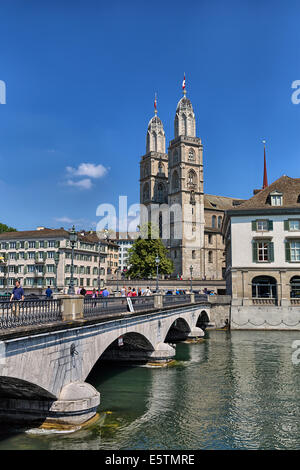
(262, 225)
(293, 250)
(51, 243)
(210, 256)
(193, 254)
(31, 244)
(264, 287)
(295, 287)
(276, 198)
(192, 178)
(175, 180)
(13, 245)
(263, 251)
(31, 254)
(213, 221)
(219, 221)
(292, 224)
(50, 254)
(191, 155)
(210, 238)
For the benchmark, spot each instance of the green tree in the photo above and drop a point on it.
(143, 252)
(5, 228)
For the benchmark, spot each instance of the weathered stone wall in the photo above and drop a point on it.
(264, 317)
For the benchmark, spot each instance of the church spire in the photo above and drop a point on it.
(185, 122)
(265, 179)
(156, 140)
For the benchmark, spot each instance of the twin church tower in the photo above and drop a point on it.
(171, 186)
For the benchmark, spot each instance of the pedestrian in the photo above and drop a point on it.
(133, 293)
(48, 293)
(105, 294)
(17, 295)
(123, 291)
(139, 292)
(129, 293)
(82, 291)
(94, 294)
(147, 292)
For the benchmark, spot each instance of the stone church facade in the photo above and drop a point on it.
(172, 197)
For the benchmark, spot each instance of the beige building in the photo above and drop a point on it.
(171, 190)
(42, 257)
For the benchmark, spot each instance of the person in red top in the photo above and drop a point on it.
(129, 293)
(133, 293)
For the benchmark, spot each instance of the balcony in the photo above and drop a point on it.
(264, 301)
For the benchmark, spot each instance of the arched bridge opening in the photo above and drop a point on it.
(178, 331)
(203, 320)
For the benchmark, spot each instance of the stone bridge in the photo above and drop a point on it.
(44, 372)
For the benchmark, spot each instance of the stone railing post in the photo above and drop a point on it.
(71, 305)
(158, 301)
(192, 296)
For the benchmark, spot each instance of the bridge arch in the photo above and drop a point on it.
(15, 388)
(203, 320)
(178, 331)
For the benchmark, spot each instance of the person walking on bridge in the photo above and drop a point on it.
(17, 295)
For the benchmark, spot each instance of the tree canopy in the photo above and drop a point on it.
(143, 252)
(5, 228)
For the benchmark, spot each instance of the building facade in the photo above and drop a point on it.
(262, 237)
(41, 258)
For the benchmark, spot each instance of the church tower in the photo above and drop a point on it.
(185, 193)
(154, 166)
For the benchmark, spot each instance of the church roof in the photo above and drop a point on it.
(288, 187)
(155, 121)
(184, 104)
(220, 203)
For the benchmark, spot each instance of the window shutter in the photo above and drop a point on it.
(270, 224)
(25, 255)
(254, 225)
(271, 252)
(287, 251)
(26, 245)
(36, 244)
(286, 225)
(44, 256)
(57, 243)
(46, 244)
(254, 251)
(17, 255)
(25, 270)
(18, 245)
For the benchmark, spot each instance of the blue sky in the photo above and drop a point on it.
(81, 78)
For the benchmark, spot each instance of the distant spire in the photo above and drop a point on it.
(155, 105)
(183, 85)
(265, 180)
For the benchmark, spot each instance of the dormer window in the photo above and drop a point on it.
(276, 198)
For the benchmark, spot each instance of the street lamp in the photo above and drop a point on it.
(3, 262)
(73, 239)
(56, 260)
(157, 261)
(99, 267)
(191, 271)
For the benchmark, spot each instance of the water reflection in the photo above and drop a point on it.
(235, 390)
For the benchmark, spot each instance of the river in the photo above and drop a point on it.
(237, 390)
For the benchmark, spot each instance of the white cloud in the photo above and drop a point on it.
(88, 169)
(86, 183)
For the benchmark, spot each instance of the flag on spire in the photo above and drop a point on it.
(155, 104)
(183, 83)
(265, 180)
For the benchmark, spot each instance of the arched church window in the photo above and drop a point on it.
(146, 192)
(191, 155)
(160, 192)
(175, 157)
(213, 221)
(193, 254)
(192, 197)
(154, 141)
(175, 180)
(219, 221)
(184, 125)
(210, 256)
(192, 178)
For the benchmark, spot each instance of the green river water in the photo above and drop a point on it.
(237, 390)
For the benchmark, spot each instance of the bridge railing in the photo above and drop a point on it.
(29, 312)
(176, 299)
(102, 305)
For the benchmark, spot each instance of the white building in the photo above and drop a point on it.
(262, 238)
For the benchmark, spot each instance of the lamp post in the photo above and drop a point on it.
(73, 239)
(3, 263)
(117, 273)
(157, 261)
(99, 267)
(191, 271)
(56, 260)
